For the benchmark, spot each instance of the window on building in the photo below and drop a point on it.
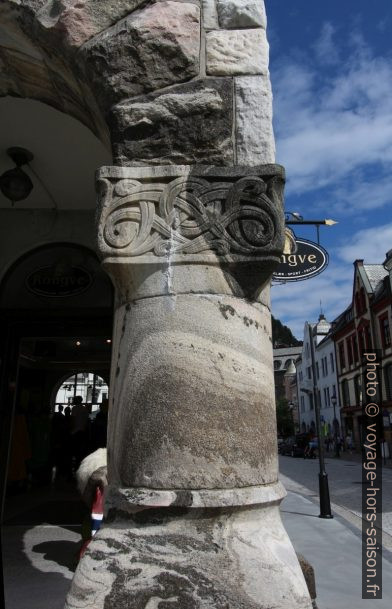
(332, 362)
(388, 382)
(317, 371)
(311, 405)
(307, 350)
(326, 366)
(357, 389)
(334, 391)
(349, 351)
(328, 401)
(385, 331)
(355, 348)
(309, 372)
(345, 393)
(341, 355)
(302, 403)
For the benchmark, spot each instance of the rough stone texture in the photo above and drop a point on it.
(232, 52)
(78, 20)
(255, 141)
(192, 398)
(235, 14)
(210, 15)
(192, 402)
(199, 559)
(190, 123)
(152, 48)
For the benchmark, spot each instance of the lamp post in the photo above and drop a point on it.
(325, 502)
(335, 426)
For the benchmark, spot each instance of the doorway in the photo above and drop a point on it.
(56, 325)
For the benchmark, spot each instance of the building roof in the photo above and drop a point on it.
(375, 274)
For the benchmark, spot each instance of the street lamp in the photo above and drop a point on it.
(335, 425)
(294, 218)
(325, 502)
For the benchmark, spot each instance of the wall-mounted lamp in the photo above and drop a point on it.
(15, 184)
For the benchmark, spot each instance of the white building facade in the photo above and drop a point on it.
(325, 380)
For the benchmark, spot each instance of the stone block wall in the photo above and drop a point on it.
(177, 81)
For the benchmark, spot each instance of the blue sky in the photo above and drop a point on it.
(331, 72)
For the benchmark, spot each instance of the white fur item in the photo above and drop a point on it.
(88, 466)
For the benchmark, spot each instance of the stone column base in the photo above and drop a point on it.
(177, 557)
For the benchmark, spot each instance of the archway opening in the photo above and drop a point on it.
(91, 387)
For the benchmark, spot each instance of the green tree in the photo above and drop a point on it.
(282, 335)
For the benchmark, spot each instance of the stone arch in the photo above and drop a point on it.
(36, 65)
(62, 377)
(104, 63)
(13, 281)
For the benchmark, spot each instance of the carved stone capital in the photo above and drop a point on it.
(173, 216)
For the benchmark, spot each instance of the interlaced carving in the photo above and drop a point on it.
(190, 215)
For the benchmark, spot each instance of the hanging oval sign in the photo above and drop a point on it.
(308, 260)
(48, 281)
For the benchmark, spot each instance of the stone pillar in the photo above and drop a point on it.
(193, 502)
(192, 507)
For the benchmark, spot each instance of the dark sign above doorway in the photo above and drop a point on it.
(49, 281)
(308, 260)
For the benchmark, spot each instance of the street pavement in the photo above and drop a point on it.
(345, 487)
(333, 547)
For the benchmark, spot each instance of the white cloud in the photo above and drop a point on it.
(333, 124)
(370, 244)
(295, 303)
(359, 193)
(325, 47)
